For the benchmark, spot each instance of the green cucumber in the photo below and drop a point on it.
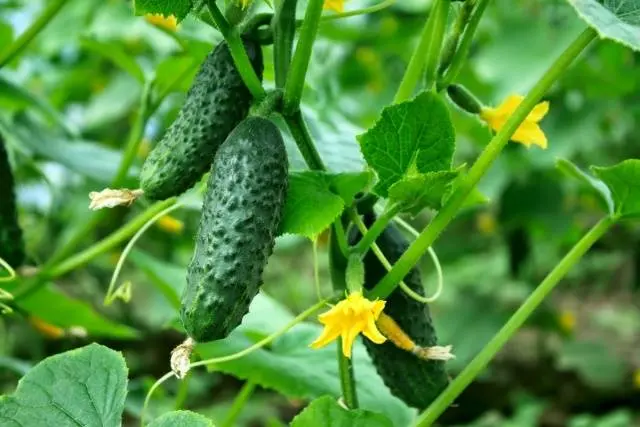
(241, 214)
(216, 102)
(11, 242)
(417, 382)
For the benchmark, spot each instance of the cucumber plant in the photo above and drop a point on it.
(233, 126)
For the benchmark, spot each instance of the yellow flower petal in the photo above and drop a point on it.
(167, 22)
(529, 132)
(170, 224)
(335, 5)
(350, 317)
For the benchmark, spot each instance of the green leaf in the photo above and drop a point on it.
(598, 186)
(86, 386)
(415, 136)
(425, 190)
(181, 419)
(595, 362)
(315, 199)
(56, 308)
(179, 8)
(115, 52)
(168, 278)
(293, 369)
(326, 412)
(618, 20)
(623, 180)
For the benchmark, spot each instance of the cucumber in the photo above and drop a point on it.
(11, 242)
(417, 382)
(216, 102)
(240, 218)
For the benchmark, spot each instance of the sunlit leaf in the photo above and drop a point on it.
(326, 412)
(623, 180)
(181, 419)
(618, 20)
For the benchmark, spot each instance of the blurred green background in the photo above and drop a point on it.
(67, 105)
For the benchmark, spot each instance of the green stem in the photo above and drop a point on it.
(463, 50)
(452, 41)
(135, 136)
(479, 168)
(376, 228)
(427, 52)
(300, 63)
(341, 237)
(347, 379)
(303, 140)
(25, 38)
(364, 11)
(183, 392)
(284, 31)
(108, 243)
(474, 368)
(238, 403)
(238, 52)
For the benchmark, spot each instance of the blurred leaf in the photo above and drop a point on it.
(619, 418)
(18, 366)
(17, 96)
(86, 386)
(618, 20)
(419, 191)
(115, 53)
(120, 96)
(417, 134)
(179, 8)
(86, 158)
(175, 73)
(325, 412)
(181, 419)
(595, 362)
(290, 367)
(598, 186)
(623, 180)
(168, 278)
(315, 199)
(56, 308)
(6, 35)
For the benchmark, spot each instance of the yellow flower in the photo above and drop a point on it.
(529, 131)
(170, 224)
(335, 5)
(636, 378)
(169, 23)
(347, 319)
(567, 321)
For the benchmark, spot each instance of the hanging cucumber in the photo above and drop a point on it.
(11, 242)
(240, 219)
(417, 382)
(216, 102)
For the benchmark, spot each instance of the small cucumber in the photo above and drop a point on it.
(11, 242)
(216, 102)
(417, 382)
(240, 218)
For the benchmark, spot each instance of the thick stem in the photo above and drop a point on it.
(284, 31)
(474, 368)
(25, 38)
(303, 140)
(347, 379)
(301, 57)
(463, 50)
(427, 51)
(480, 167)
(238, 52)
(238, 403)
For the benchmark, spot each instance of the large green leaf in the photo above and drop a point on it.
(179, 8)
(326, 412)
(315, 199)
(618, 20)
(623, 180)
(181, 419)
(82, 387)
(56, 308)
(423, 190)
(414, 136)
(290, 367)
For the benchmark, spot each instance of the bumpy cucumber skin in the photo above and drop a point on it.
(241, 214)
(11, 242)
(216, 102)
(417, 382)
